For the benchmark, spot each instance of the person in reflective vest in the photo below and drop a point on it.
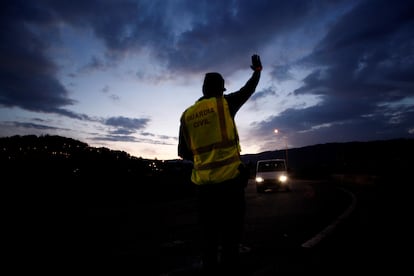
(213, 140)
(208, 137)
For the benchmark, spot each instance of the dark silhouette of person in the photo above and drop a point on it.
(208, 137)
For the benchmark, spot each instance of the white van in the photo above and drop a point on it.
(272, 173)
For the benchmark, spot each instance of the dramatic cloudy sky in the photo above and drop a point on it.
(119, 73)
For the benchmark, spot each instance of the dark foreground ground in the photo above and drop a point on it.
(66, 234)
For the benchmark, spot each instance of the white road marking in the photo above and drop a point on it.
(330, 228)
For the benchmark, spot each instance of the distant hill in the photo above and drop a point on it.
(65, 163)
(373, 157)
(34, 153)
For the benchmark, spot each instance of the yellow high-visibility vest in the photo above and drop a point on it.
(212, 136)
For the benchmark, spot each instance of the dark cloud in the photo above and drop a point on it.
(282, 72)
(188, 36)
(127, 123)
(122, 132)
(161, 140)
(323, 124)
(364, 70)
(225, 32)
(114, 138)
(122, 129)
(95, 64)
(262, 94)
(34, 126)
(368, 50)
(27, 77)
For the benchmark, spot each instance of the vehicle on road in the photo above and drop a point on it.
(272, 174)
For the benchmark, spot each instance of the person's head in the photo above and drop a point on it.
(213, 85)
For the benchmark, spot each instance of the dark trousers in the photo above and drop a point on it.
(221, 217)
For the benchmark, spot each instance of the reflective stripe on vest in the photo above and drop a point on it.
(212, 137)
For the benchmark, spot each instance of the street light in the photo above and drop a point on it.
(276, 131)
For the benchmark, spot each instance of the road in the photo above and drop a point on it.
(318, 227)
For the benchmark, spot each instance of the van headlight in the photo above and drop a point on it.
(259, 179)
(283, 178)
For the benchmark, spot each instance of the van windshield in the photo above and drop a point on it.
(271, 166)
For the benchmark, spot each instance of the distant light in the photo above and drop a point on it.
(276, 131)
